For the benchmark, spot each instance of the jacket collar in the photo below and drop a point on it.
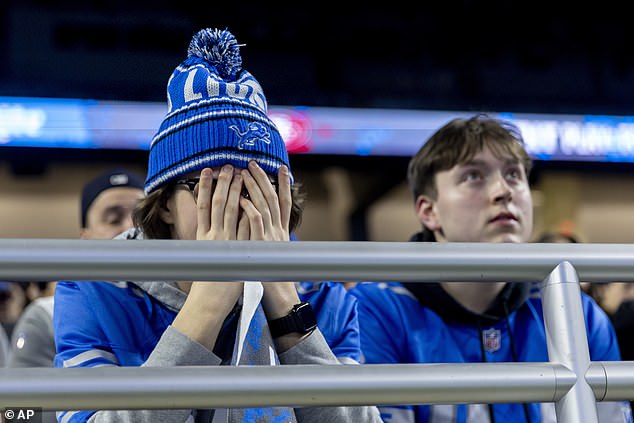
(433, 296)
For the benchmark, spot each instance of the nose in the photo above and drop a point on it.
(501, 190)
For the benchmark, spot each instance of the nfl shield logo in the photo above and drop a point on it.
(491, 340)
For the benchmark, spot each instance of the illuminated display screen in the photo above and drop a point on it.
(93, 124)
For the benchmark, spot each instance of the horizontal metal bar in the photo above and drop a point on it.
(49, 259)
(611, 380)
(299, 385)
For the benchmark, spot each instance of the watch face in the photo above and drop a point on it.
(305, 318)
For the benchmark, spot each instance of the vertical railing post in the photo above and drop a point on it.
(568, 342)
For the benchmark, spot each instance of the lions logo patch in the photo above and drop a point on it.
(491, 338)
(255, 132)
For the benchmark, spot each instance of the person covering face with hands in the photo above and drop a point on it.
(218, 170)
(215, 206)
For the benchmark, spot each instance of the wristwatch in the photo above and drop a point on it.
(301, 320)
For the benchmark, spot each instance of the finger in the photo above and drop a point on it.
(267, 188)
(203, 202)
(284, 195)
(232, 207)
(256, 225)
(268, 191)
(243, 228)
(257, 198)
(219, 198)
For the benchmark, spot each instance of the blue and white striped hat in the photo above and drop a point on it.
(217, 114)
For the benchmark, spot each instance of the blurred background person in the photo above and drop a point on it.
(4, 347)
(557, 237)
(617, 299)
(32, 343)
(563, 235)
(612, 297)
(106, 204)
(13, 300)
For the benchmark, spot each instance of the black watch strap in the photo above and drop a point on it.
(301, 320)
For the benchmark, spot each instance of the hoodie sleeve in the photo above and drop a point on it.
(315, 350)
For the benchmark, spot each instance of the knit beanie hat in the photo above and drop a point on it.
(217, 114)
(113, 178)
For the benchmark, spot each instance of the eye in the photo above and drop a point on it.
(472, 175)
(114, 217)
(514, 173)
(116, 221)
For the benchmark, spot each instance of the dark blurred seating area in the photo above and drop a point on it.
(469, 55)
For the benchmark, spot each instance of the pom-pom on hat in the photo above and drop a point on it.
(217, 114)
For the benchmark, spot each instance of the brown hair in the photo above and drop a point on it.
(459, 141)
(147, 214)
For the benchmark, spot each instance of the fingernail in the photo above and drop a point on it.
(284, 169)
(253, 164)
(227, 168)
(205, 172)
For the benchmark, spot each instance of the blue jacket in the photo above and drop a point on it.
(107, 323)
(421, 323)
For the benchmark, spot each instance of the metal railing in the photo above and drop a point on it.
(569, 379)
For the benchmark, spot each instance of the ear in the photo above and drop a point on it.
(165, 212)
(425, 208)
